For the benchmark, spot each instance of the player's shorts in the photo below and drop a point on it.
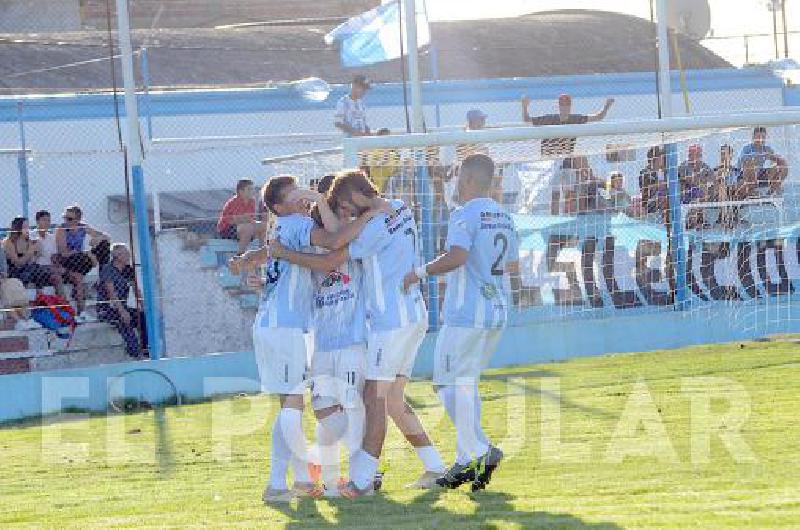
(337, 377)
(461, 354)
(282, 359)
(392, 353)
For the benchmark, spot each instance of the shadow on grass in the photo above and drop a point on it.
(430, 510)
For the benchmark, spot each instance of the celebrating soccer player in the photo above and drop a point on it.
(280, 326)
(482, 258)
(387, 247)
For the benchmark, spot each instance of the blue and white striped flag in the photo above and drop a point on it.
(374, 37)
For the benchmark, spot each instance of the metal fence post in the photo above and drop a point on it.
(677, 241)
(22, 164)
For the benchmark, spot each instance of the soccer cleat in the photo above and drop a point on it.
(308, 489)
(426, 481)
(485, 466)
(351, 491)
(273, 496)
(377, 484)
(457, 475)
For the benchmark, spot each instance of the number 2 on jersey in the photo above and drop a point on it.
(500, 240)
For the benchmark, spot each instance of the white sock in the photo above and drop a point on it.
(354, 436)
(279, 457)
(431, 459)
(481, 437)
(363, 469)
(467, 425)
(330, 430)
(447, 395)
(290, 423)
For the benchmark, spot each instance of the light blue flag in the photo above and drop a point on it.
(374, 37)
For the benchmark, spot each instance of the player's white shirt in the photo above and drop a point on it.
(352, 112)
(286, 299)
(478, 293)
(387, 248)
(339, 311)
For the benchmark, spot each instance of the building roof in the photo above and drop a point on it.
(535, 45)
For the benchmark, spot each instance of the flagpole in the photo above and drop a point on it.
(403, 67)
(412, 52)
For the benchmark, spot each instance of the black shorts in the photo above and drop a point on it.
(229, 233)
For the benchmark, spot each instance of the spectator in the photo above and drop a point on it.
(14, 298)
(728, 186)
(562, 146)
(22, 255)
(238, 218)
(351, 114)
(72, 242)
(619, 200)
(113, 289)
(771, 169)
(589, 188)
(653, 183)
(381, 164)
(476, 120)
(696, 175)
(48, 252)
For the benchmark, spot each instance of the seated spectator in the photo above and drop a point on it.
(727, 187)
(695, 175)
(22, 255)
(237, 220)
(14, 298)
(653, 184)
(72, 243)
(619, 200)
(771, 169)
(113, 289)
(48, 252)
(380, 165)
(589, 188)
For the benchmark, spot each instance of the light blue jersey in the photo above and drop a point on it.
(387, 248)
(286, 300)
(478, 293)
(340, 319)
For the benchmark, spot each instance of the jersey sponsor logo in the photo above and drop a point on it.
(336, 278)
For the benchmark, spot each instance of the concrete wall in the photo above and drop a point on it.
(27, 16)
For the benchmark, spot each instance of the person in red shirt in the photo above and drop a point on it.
(238, 218)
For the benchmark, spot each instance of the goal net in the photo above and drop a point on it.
(674, 227)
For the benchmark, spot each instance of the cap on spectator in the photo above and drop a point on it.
(564, 99)
(475, 115)
(362, 80)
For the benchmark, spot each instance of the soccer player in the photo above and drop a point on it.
(482, 262)
(340, 349)
(387, 247)
(279, 331)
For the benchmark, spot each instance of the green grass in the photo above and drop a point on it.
(171, 468)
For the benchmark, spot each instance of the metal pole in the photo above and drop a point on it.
(412, 55)
(785, 29)
(22, 164)
(663, 59)
(144, 65)
(775, 29)
(134, 149)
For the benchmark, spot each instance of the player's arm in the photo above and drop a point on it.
(249, 260)
(599, 116)
(344, 235)
(318, 262)
(449, 261)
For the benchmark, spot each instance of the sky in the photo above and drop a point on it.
(729, 18)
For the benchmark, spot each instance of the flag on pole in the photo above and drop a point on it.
(374, 37)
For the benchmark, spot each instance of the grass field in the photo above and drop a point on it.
(187, 466)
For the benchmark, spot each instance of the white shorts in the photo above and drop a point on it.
(392, 353)
(282, 359)
(462, 354)
(337, 377)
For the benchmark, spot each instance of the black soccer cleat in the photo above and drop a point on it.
(457, 475)
(377, 483)
(485, 467)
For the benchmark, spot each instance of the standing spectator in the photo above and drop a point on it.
(619, 200)
(653, 183)
(351, 114)
(14, 298)
(48, 252)
(22, 255)
(113, 289)
(72, 243)
(728, 187)
(769, 177)
(562, 146)
(237, 220)
(694, 173)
